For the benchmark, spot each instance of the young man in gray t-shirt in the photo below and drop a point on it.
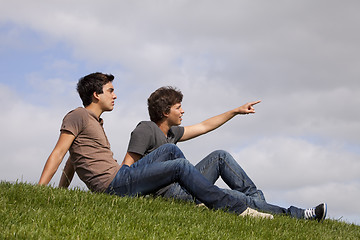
(165, 110)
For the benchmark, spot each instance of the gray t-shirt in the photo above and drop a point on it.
(147, 136)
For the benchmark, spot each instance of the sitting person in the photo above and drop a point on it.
(165, 110)
(82, 134)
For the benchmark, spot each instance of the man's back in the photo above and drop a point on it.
(90, 152)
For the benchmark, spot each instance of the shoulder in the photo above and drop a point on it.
(146, 125)
(178, 130)
(77, 112)
(150, 124)
(142, 137)
(75, 120)
(146, 130)
(176, 133)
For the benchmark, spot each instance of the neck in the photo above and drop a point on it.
(93, 108)
(164, 127)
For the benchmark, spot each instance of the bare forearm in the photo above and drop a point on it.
(55, 158)
(131, 158)
(49, 170)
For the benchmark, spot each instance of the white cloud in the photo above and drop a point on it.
(26, 137)
(299, 58)
(294, 163)
(31, 132)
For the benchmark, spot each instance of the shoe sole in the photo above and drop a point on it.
(324, 214)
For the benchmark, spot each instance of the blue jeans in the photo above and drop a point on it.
(221, 163)
(154, 172)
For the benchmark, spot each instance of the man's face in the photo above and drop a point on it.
(174, 117)
(107, 98)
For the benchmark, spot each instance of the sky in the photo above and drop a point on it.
(300, 58)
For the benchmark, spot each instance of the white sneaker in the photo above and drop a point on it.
(201, 205)
(253, 213)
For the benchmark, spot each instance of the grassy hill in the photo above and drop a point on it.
(37, 212)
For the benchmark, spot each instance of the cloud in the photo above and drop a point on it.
(31, 129)
(27, 137)
(300, 59)
(293, 163)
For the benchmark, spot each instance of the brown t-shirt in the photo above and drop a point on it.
(90, 152)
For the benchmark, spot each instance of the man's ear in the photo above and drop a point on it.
(166, 114)
(96, 96)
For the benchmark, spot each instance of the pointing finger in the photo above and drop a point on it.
(256, 102)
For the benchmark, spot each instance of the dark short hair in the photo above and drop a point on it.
(91, 83)
(161, 101)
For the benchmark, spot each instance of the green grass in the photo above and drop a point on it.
(38, 212)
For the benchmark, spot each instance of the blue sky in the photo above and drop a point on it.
(301, 59)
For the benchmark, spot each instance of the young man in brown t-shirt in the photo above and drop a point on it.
(82, 134)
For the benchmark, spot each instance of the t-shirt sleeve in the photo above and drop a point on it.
(178, 133)
(140, 139)
(74, 121)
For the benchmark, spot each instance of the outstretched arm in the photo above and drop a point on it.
(67, 174)
(56, 156)
(215, 122)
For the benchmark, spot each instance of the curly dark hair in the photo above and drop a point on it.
(161, 101)
(91, 83)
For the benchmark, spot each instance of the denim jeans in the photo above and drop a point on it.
(221, 164)
(155, 171)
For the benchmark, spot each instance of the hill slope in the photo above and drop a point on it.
(36, 212)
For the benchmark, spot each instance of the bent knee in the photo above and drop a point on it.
(220, 153)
